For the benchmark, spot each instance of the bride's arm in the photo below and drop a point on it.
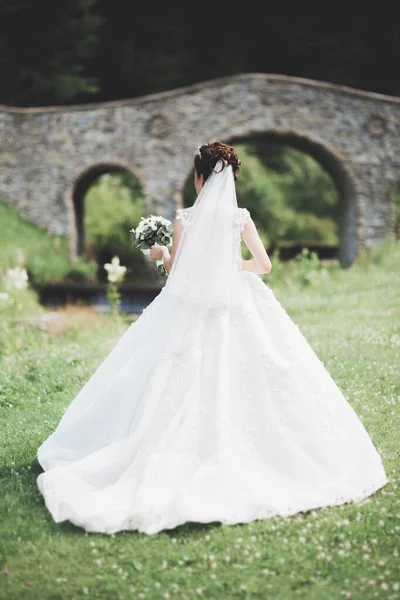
(158, 252)
(260, 263)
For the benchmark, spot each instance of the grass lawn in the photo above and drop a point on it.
(352, 320)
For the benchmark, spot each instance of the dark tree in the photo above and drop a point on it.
(45, 47)
(96, 50)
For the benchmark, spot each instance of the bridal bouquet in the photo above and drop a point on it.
(152, 230)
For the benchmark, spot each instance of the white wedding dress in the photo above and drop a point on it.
(224, 416)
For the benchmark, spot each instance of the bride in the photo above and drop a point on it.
(212, 406)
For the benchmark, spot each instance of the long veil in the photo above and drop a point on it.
(205, 268)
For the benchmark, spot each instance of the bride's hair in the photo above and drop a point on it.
(209, 154)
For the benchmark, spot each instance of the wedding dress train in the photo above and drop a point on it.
(206, 415)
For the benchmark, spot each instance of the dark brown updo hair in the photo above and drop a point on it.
(208, 156)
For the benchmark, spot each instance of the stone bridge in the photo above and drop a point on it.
(50, 156)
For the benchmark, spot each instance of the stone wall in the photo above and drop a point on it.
(47, 154)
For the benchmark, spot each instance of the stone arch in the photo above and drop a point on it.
(76, 199)
(349, 131)
(333, 162)
(394, 220)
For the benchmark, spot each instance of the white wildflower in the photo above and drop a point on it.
(20, 257)
(115, 271)
(17, 278)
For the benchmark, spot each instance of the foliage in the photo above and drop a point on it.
(113, 206)
(350, 551)
(385, 255)
(46, 256)
(113, 297)
(80, 50)
(305, 184)
(306, 270)
(289, 195)
(52, 54)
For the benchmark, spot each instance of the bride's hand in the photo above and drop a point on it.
(156, 252)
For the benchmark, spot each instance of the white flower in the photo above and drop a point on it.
(148, 225)
(20, 257)
(4, 297)
(116, 272)
(17, 278)
(384, 585)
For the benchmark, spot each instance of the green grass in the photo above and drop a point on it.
(352, 319)
(46, 256)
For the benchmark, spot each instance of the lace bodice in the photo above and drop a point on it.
(241, 217)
